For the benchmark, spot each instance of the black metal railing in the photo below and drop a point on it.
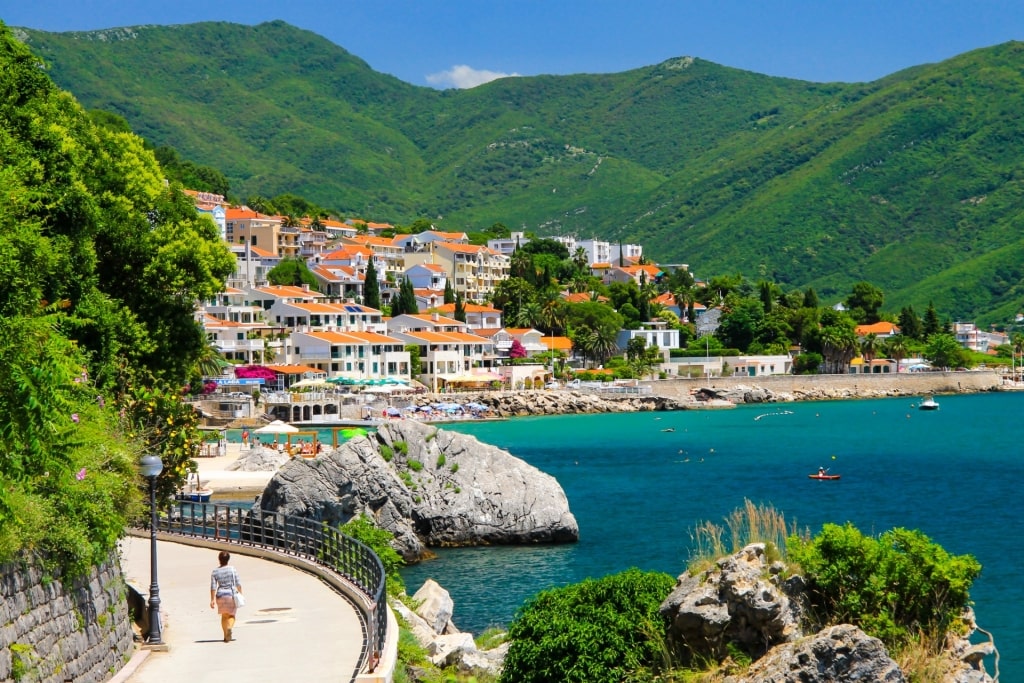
(308, 539)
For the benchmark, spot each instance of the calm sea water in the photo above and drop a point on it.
(638, 491)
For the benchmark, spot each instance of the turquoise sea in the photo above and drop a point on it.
(637, 492)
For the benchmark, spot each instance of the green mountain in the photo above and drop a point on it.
(910, 182)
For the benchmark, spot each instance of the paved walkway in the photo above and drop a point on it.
(292, 628)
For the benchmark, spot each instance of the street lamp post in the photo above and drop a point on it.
(150, 466)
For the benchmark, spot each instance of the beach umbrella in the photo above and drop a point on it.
(394, 411)
(276, 427)
(309, 383)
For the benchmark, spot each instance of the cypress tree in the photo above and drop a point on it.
(371, 287)
(460, 308)
(449, 293)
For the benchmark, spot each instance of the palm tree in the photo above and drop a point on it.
(583, 341)
(581, 261)
(210, 360)
(896, 347)
(605, 344)
(869, 347)
(1016, 349)
(838, 345)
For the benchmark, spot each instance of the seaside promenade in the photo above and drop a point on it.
(294, 627)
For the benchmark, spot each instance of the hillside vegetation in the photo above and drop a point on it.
(911, 182)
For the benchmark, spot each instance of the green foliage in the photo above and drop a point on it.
(292, 271)
(893, 586)
(415, 465)
(441, 460)
(379, 541)
(67, 471)
(386, 452)
(594, 631)
(402, 447)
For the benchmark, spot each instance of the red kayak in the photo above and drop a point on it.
(823, 476)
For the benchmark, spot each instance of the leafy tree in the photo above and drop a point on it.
(591, 632)
(864, 303)
(546, 245)
(807, 363)
(944, 351)
(740, 322)
(371, 287)
(294, 272)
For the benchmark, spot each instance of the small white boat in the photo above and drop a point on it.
(193, 491)
(928, 404)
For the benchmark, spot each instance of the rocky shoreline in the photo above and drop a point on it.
(722, 392)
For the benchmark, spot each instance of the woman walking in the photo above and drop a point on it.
(224, 583)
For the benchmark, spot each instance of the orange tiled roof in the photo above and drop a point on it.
(293, 369)
(882, 327)
(470, 308)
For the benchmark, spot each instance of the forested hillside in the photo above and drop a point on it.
(910, 182)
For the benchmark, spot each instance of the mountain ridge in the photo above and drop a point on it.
(911, 181)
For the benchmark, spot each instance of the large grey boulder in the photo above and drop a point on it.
(742, 601)
(839, 654)
(430, 487)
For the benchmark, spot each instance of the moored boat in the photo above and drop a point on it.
(193, 491)
(928, 404)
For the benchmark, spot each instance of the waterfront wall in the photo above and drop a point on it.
(52, 633)
(811, 387)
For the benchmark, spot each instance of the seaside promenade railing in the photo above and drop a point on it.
(312, 541)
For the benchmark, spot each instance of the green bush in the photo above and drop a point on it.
(378, 540)
(592, 632)
(893, 587)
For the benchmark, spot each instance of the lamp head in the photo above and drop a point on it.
(150, 466)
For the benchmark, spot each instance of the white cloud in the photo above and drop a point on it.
(462, 76)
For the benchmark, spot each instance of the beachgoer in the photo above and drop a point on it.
(245, 438)
(821, 471)
(224, 583)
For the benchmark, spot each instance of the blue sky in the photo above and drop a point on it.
(460, 43)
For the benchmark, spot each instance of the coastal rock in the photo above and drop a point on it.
(430, 487)
(258, 459)
(446, 646)
(741, 601)
(435, 606)
(839, 654)
(564, 402)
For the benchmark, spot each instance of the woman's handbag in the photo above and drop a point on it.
(239, 599)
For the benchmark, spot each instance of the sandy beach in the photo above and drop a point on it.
(214, 474)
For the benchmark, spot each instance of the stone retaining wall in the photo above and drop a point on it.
(866, 386)
(53, 633)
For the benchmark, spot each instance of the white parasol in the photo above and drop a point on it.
(276, 427)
